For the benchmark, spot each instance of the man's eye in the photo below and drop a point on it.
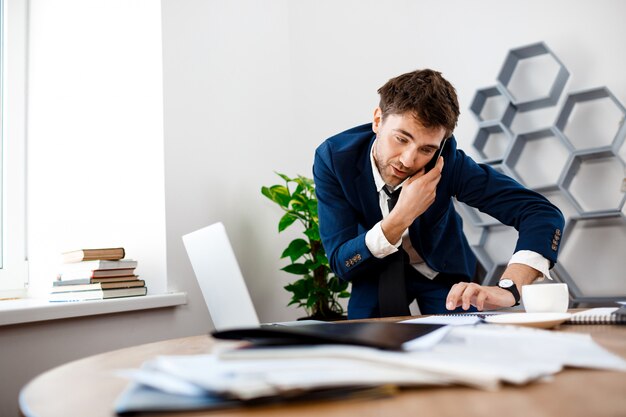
(401, 139)
(428, 151)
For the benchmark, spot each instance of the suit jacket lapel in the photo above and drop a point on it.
(366, 189)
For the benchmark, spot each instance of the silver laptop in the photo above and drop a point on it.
(222, 285)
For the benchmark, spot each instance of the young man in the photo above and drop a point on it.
(397, 248)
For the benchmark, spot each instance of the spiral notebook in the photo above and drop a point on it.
(600, 315)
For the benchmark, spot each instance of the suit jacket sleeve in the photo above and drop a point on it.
(538, 221)
(341, 224)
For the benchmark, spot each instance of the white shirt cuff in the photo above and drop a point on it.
(378, 244)
(534, 260)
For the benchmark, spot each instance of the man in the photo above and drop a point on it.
(416, 249)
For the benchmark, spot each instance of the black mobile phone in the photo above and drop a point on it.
(431, 164)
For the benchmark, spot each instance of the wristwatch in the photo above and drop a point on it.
(509, 285)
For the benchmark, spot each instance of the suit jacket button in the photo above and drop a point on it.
(558, 232)
(554, 247)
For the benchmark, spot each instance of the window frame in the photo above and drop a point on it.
(13, 86)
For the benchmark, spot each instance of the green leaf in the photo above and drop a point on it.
(287, 220)
(297, 269)
(299, 202)
(312, 233)
(283, 176)
(296, 249)
(267, 193)
(299, 288)
(307, 183)
(280, 195)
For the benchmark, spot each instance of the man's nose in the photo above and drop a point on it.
(408, 158)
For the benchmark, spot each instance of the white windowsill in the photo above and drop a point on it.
(32, 309)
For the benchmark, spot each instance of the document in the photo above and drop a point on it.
(477, 356)
(461, 319)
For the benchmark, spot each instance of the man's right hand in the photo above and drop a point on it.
(418, 193)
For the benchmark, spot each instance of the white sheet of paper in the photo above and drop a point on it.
(477, 356)
(447, 320)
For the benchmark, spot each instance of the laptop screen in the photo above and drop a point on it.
(219, 277)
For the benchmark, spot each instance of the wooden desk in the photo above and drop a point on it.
(87, 387)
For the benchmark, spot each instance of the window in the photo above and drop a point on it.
(13, 30)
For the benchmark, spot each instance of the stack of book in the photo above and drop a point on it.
(96, 274)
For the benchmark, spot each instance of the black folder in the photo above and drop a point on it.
(381, 335)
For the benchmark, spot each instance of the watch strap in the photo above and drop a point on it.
(513, 290)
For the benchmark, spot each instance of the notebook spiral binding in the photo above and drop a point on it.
(599, 317)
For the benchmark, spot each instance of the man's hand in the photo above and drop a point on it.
(418, 193)
(466, 294)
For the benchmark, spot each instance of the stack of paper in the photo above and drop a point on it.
(477, 356)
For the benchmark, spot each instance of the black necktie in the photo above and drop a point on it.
(392, 298)
(393, 197)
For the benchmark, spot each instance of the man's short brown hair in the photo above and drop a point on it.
(425, 94)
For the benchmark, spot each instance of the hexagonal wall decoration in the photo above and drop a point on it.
(489, 104)
(586, 179)
(578, 163)
(550, 92)
(591, 119)
(591, 246)
(492, 142)
(538, 158)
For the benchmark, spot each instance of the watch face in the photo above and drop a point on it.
(505, 283)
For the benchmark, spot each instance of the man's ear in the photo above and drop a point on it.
(378, 119)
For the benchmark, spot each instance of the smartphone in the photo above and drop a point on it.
(431, 164)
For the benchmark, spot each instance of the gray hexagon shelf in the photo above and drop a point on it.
(582, 172)
(580, 257)
(518, 86)
(492, 142)
(592, 182)
(489, 104)
(524, 158)
(592, 118)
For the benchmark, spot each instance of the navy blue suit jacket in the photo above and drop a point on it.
(348, 207)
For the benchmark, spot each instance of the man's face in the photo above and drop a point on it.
(403, 146)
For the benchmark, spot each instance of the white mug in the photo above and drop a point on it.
(545, 298)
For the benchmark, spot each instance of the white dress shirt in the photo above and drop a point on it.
(380, 247)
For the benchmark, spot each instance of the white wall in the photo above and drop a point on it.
(249, 88)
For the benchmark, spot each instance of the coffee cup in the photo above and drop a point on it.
(545, 298)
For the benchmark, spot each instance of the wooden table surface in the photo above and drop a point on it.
(88, 387)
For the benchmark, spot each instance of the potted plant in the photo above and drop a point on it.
(318, 290)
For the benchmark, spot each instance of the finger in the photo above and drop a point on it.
(439, 163)
(480, 300)
(468, 294)
(452, 301)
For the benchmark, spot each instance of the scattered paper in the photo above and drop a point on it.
(477, 356)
